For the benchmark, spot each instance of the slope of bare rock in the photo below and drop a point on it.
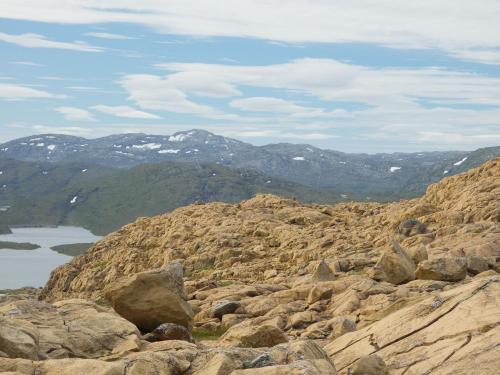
(243, 241)
(443, 332)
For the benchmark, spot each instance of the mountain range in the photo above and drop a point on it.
(381, 176)
(106, 182)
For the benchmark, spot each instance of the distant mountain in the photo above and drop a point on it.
(379, 176)
(103, 199)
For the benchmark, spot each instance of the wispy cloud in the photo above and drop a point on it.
(22, 92)
(450, 25)
(75, 114)
(109, 36)
(26, 63)
(39, 41)
(124, 111)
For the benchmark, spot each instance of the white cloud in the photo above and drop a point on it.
(491, 57)
(40, 41)
(450, 25)
(331, 80)
(416, 100)
(75, 114)
(157, 93)
(19, 92)
(108, 36)
(124, 111)
(278, 105)
(26, 63)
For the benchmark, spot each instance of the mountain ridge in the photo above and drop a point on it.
(379, 176)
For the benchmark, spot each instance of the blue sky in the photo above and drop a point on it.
(356, 76)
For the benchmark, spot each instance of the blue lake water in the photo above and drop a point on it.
(19, 268)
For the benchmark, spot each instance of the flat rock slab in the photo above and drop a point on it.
(72, 328)
(455, 332)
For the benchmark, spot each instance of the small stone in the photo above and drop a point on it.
(341, 325)
(170, 331)
(411, 227)
(220, 364)
(369, 365)
(476, 265)
(318, 293)
(224, 307)
(322, 273)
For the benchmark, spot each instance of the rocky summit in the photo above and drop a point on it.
(272, 286)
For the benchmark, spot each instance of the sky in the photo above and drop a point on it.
(349, 75)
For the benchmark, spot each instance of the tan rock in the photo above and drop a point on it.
(443, 334)
(369, 365)
(341, 325)
(248, 335)
(322, 273)
(80, 366)
(151, 298)
(394, 266)
(418, 253)
(220, 364)
(302, 319)
(444, 269)
(18, 339)
(71, 328)
(476, 265)
(319, 292)
(312, 367)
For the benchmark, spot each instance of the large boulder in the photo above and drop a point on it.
(443, 269)
(455, 332)
(151, 298)
(73, 328)
(394, 265)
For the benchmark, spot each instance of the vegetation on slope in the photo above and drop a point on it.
(103, 199)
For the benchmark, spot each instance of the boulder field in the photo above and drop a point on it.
(273, 286)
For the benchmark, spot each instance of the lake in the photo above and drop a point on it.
(19, 268)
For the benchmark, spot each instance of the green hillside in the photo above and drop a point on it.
(103, 199)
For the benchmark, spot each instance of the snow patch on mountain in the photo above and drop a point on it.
(460, 162)
(148, 146)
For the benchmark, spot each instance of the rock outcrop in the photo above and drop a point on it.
(453, 332)
(272, 286)
(71, 328)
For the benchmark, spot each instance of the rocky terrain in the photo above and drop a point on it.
(274, 286)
